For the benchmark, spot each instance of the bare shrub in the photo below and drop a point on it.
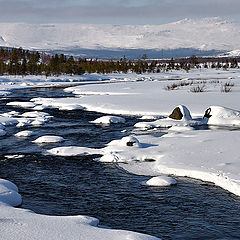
(171, 87)
(176, 85)
(227, 87)
(198, 88)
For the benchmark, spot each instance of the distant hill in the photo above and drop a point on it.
(207, 36)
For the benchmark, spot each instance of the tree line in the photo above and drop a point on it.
(17, 61)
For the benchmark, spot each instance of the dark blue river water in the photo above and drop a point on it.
(79, 185)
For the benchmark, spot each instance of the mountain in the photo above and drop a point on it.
(204, 35)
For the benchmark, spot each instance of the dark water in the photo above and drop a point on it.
(79, 185)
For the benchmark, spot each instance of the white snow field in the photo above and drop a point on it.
(220, 35)
(210, 155)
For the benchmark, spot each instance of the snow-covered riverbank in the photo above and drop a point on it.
(210, 155)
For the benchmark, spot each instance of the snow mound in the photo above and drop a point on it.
(14, 156)
(73, 151)
(49, 139)
(22, 122)
(10, 114)
(130, 141)
(25, 133)
(36, 114)
(39, 121)
(67, 104)
(161, 181)
(179, 117)
(22, 104)
(7, 121)
(217, 115)
(148, 117)
(9, 193)
(109, 119)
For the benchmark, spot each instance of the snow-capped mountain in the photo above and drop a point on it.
(204, 34)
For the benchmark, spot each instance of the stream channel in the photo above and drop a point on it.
(55, 185)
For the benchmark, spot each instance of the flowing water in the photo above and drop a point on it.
(80, 185)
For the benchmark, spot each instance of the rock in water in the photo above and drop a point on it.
(176, 114)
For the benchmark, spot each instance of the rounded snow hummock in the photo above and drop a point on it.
(161, 181)
(9, 193)
(109, 119)
(25, 133)
(49, 139)
(130, 141)
(217, 115)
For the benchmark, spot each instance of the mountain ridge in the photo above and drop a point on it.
(203, 34)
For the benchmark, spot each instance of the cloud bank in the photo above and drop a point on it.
(115, 11)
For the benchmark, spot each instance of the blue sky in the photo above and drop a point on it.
(115, 11)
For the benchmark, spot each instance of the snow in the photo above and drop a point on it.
(161, 181)
(109, 119)
(25, 133)
(62, 103)
(221, 35)
(49, 139)
(126, 98)
(24, 224)
(73, 151)
(223, 116)
(36, 114)
(14, 156)
(22, 104)
(9, 194)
